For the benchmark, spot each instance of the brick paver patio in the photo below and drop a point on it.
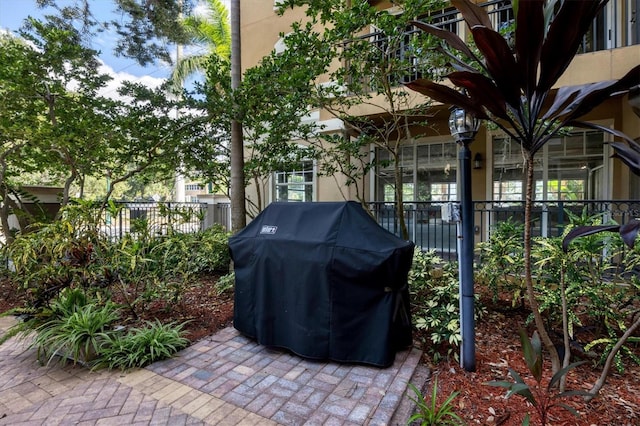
(225, 379)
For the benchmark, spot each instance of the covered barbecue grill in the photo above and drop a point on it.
(323, 280)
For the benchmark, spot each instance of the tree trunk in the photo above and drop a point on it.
(237, 189)
(399, 204)
(66, 196)
(565, 326)
(528, 275)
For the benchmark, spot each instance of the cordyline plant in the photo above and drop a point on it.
(542, 398)
(512, 87)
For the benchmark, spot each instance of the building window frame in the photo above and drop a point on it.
(298, 182)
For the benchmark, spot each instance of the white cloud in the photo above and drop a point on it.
(110, 90)
(201, 8)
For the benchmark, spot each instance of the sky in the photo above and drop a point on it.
(13, 13)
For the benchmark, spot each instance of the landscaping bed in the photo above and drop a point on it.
(77, 287)
(497, 348)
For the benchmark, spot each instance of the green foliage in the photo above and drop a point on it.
(434, 289)
(54, 256)
(526, 108)
(69, 136)
(542, 398)
(225, 284)
(181, 257)
(429, 412)
(75, 331)
(78, 328)
(194, 253)
(139, 268)
(357, 49)
(598, 293)
(502, 261)
(212, 33)
(141, 346)
(608, 343)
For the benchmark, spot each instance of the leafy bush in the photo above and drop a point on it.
(502, 262)
(225, 283)
(52, 257)
(597, 293)
(200, 252)
(140, 268)
(181, 257)
(71, 274)
(142, 346)
(434, 286)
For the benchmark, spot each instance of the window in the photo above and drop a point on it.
(390, 192)
(428, 172)
(568, 168)
(564, 189)
(443, 191)
(295, 184)
(193, 187)
(510, 190)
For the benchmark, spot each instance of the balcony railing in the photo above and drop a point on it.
(429, 230)
(615, 26)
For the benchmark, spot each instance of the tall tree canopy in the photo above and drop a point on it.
(358, 55)
(54, 120)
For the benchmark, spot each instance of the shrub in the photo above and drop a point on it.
(142, 346)
(225, 284)
(181, 257)
(75, 332)
(596, 293)
(502, 262)
(433, 285)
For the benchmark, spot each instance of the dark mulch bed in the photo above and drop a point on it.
(498, 348)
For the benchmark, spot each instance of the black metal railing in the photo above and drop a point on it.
(156, 218)
(614, 27)
(161, 218)
(428, 228)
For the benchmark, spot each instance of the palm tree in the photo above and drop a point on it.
(237, 189)
(212, 31)
(513, 88)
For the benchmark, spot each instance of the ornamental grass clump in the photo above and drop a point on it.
(76, 334)
(142, 346)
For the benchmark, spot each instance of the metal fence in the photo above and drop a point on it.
(428, 228)
(160, 218)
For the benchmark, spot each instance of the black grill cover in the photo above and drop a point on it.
(323, 280)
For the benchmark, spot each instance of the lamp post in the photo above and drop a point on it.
(464, 126)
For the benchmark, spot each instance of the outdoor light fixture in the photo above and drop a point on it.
(464, 126)
(477, 161)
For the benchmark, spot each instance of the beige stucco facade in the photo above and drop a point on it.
(261, 30)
